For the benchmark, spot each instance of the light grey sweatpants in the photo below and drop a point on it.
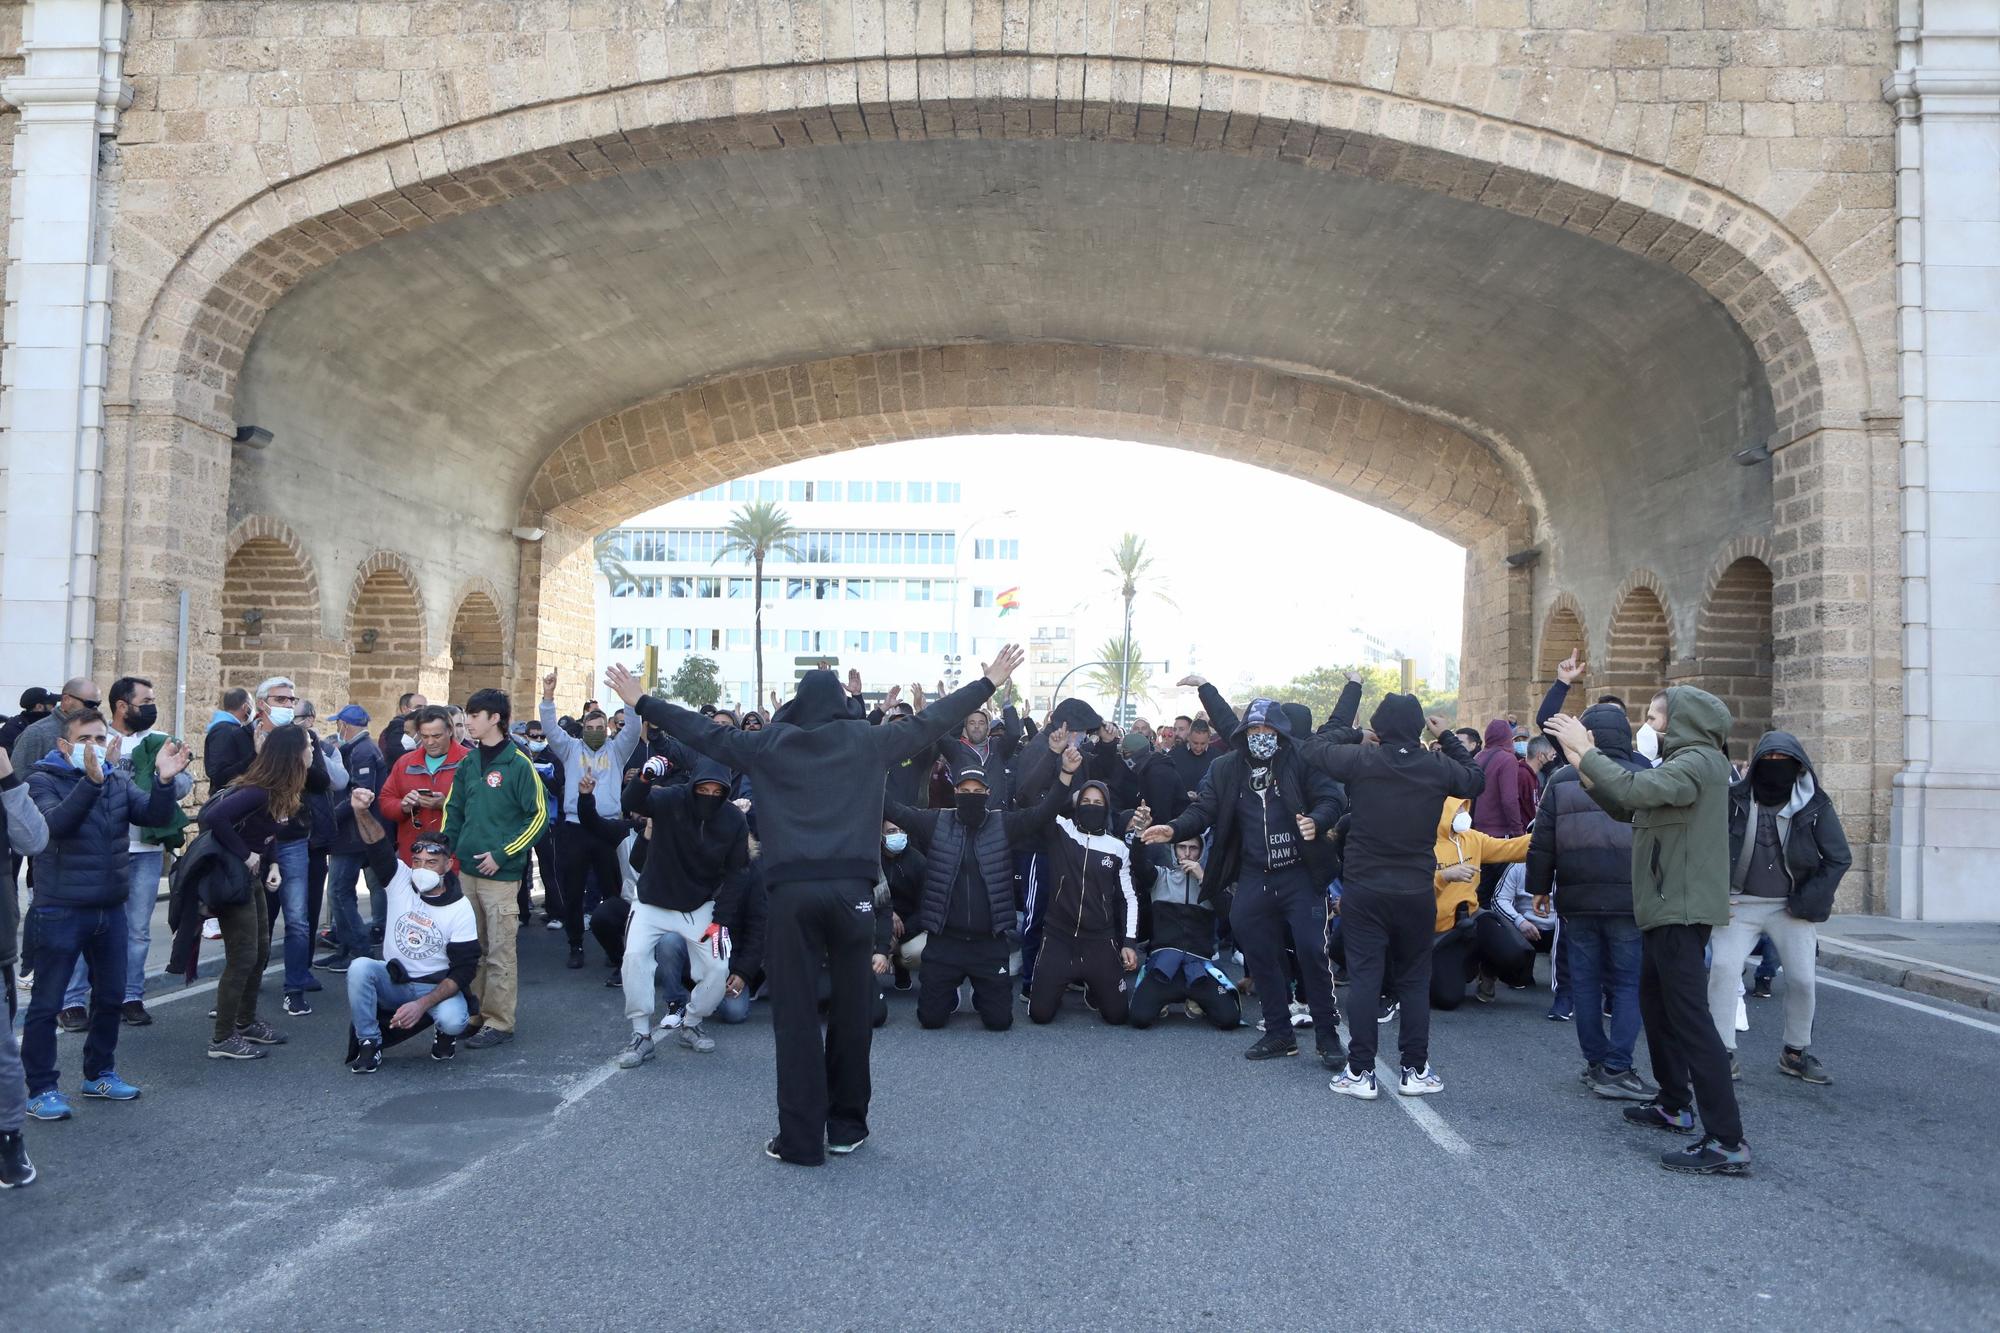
(642, 932)
(1798, 947)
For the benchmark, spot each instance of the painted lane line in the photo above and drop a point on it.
(586, 1085)
(1981, 1024)
(199, 988)
(1429, 1121)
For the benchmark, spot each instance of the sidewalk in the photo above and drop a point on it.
(1956, 961)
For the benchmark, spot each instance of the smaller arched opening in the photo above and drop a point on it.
(1637, 649)
(385, 632)
(1733, 644)
(271, 615)
(478, 647)
(1562, 634)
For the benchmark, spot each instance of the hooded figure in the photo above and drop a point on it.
(1679, 814)
(1468, 938)
(1506, 805)
(1787, 854)
(819, 770)
(1090, 927)
(1266, 810)
(1396, 791)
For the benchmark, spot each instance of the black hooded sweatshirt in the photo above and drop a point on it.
(690, 860)
(1396, 792)
(1222, 800)
(818, 768)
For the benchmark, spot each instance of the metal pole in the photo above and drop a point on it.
(181, 668)
(1125, 664)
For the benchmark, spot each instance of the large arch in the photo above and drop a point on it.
(478, 646)
(1639, 645)
(1563, 633)
(1732, 657)
(271, 615)
(385, 631)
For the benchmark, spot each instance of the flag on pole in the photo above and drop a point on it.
(1009, 600)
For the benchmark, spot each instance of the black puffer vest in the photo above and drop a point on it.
(996, 865)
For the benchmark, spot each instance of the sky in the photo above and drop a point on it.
(1264, 570)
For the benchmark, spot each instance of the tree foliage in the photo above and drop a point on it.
(1319, 689)
(697, 682)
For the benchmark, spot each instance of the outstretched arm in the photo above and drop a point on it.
(727, 744)
(908, 740)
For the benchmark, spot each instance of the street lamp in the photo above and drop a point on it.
(1164, 664)
(957, 655)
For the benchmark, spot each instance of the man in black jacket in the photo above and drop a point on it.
(819, 770)
(1583, 858)
(1265, 809)
(988, 746)
(966, 908)
(1787, 854)
(1395, 792)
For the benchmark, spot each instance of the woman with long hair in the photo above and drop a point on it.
(264, 804)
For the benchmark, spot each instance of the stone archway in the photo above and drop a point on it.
(271, 616)
(1563, 633)
(1639, 646)
(385, 632)
(478, 647)
(1733, 655)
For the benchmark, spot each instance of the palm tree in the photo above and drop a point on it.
(1132, 569)
(1123, 671)
(609, 554)
(758, 530)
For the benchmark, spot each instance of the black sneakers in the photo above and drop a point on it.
(368, 1060)
(15, 1168)
(443, 1045)
(1655, 1116)
(1273, 1046)
(1707, 1157)
(576, 955)
(134, 1014)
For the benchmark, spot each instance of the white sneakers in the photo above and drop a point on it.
(1742, 1015)
(1350, 1084)
(211, 929)
(671, 1019)
(1419, 1082)
(1301, 1015)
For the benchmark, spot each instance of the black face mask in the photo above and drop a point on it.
(1771, 780)
(706, 806)
(1090, 818)
(972, 808)
(142, 719)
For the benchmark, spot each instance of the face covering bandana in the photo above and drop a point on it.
(1090, 818)
(1461, 822)
(593, 737)
(896, 842)
(1771, 781)
(706, 806)
(425, 880)
(1263, 744)
(972, 808)
(282, 716)
(142, 719)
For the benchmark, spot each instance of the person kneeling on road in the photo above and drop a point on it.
(430, 951)
(1181, 967)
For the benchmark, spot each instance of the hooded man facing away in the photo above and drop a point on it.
(1787, 853)
(819, 769)
(1679, 814)
(1266, 810)
(1396, 791)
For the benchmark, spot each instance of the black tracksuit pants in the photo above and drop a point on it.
(545, 855)
(1266, 915)
(948, 962)
(1686, 1048)
(1065, 958)
(1388, 939)
(823, 1083)
(578, 856)
(1156, 991)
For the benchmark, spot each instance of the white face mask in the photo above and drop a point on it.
(78, 749)
(424, 879)
(1461, 822)
(281, 716)
(536, 747)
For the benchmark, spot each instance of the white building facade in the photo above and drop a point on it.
(897, 578)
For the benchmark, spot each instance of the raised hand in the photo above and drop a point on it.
(889, 699)
(1190, 682)
(586, 782)
(173, 759)
(91, 768)
(1353, 678)
(1072, 759)
(1004, 665)
(917, 695)
(361, 798)
(1142, 818)
(1438, 725)
(1570, 669)
(549, 687)
(624, 684)
(1058, 737)
(854, 681)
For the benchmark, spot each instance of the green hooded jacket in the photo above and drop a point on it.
(1679, 813)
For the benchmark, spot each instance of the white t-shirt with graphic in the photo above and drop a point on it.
(419, 929)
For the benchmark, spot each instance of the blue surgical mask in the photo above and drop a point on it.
(1521, 748)
(536, 747)
(281, 716)
(896, 842)
(77, 760)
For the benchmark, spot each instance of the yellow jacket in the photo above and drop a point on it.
(1470, 848)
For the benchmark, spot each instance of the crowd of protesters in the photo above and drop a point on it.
(1240, 865)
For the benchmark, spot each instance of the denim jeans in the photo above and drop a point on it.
(62, 935)
(294, 861)
(139, 904)
(343, 872)
(369, 991)
(1604, 954)
(670, 967)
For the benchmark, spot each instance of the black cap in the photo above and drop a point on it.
(977, 775)
(35, 696)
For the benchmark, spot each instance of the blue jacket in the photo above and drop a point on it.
(365, 768)
(86, 863)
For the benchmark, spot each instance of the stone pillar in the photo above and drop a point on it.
(1946, 809)
(556, 615)
(52, 367)
(1496, 644)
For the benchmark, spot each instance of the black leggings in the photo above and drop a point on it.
(1156, 990)
(949, 962)
(578, 854)
(1064, 959)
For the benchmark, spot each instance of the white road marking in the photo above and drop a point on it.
(1429, 1121)
(199, 988)
(586, 1085)
(1925, 964)
(1981, 1024)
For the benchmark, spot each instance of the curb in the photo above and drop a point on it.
(1936, 981)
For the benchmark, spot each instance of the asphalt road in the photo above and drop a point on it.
(1075, 1176)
